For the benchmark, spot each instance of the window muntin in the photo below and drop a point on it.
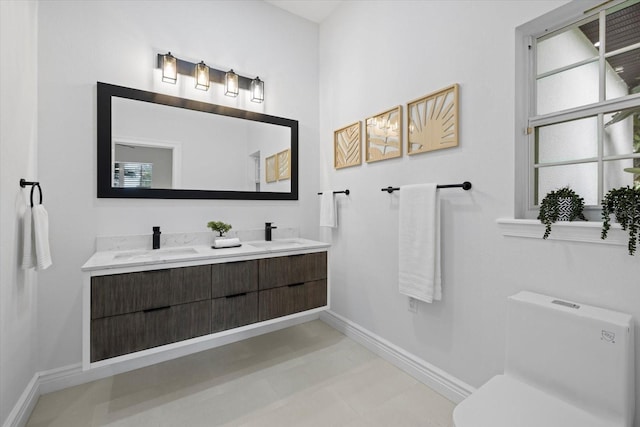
(577, 88)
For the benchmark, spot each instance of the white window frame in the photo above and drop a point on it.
(526, 121)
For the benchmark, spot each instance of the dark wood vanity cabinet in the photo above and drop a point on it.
(292, 284)
(136, 311)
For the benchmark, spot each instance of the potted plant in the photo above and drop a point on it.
(624, 204)
(219, 226)
(560, 205)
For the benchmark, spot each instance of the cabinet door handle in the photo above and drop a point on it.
(149, 310)
(236, 295)
(296, 284)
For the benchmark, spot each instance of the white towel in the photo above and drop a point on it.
(28, 246)
(419, 242)
(328, 210)
(226, 242)
(41, 236)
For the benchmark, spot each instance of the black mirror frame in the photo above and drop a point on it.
(105, 190)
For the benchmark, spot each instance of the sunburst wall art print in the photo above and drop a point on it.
(384, 135)
(347, 146)
(433, 121)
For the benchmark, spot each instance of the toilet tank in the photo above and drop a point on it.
(581, 354)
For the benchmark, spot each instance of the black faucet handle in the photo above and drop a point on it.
(156, 229)
(269, 225)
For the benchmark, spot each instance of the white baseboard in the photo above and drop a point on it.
(21, 411)
(68, 376)
(439, 380)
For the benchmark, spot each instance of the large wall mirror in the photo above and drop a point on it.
(158, 146)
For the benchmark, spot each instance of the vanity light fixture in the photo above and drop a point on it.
(202, 76)
(169, 68)
(257, 90)
(231, 83)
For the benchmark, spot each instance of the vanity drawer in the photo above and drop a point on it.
(126, 333)
(234, 278)
(130, 292)
(282, 271)
(234, 311)
(291, 299)
(189, 284)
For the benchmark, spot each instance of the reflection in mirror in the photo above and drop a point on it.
(149, 148)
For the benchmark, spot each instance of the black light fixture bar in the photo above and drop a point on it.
(187, 68)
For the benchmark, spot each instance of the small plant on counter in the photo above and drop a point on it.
(624, 204)
(219, 226)
(560, 205)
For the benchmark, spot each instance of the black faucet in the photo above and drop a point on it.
(267, 231)
(156, 237)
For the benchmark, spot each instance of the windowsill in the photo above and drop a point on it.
(578, 231)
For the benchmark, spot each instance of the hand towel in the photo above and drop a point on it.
(28, 246)
(328, 213)
(41, 236)
(226, 242)
(419, 242)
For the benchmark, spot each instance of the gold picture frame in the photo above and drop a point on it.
(284, 165)
(432, 122)
(384, 135)
(271, 168)
(347, 146)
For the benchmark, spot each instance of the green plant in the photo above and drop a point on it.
(624, 203)
(219, 226)
(550, 208)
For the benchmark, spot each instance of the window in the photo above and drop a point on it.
(578, 103)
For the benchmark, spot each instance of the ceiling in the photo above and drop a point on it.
(313, 10)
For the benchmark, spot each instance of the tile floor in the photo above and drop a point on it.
(306, 375)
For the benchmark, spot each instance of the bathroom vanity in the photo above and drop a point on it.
(143, 302)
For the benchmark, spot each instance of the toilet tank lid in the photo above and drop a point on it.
(575, 308)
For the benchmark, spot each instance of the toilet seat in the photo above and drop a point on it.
(507, 402)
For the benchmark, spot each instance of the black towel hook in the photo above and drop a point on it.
(33, 184)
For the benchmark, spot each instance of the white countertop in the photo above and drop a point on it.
(177, 254)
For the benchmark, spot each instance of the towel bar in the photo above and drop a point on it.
(465, 186)
(339, 192)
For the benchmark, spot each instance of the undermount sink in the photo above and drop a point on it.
(155, 253)
(279, 243)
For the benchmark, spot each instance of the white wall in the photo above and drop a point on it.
(116, 42)
(18, 136)
(375, 55)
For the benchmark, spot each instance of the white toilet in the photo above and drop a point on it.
(567, 365)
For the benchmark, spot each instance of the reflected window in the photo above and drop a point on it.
(132, 175)
(582, 81)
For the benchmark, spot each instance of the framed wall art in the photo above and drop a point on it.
(347, 143)
(284, 165)
(433, 121)
(271, 168)
(384, 135)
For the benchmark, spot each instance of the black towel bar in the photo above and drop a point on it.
(339, 192)
(465, 186)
